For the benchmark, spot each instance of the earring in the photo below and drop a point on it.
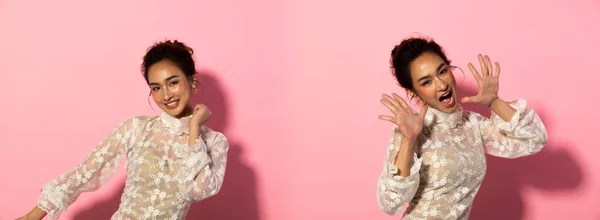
(194, 90)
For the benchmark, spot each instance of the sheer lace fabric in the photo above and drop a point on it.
(164, 174)
(449, 164)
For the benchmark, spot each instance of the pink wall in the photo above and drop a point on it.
(300, 82)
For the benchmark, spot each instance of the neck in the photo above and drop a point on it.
(446, 119)
(186, 112)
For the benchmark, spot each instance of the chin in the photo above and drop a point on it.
(449, 109)
(173, 112)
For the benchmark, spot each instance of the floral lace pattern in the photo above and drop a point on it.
(449, 163)
(164, 174)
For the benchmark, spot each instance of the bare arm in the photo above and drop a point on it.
(404, 159)
(35, 214)
(194, 136)
(503, 109)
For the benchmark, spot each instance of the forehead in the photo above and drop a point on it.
(163, 70)
(427, 63)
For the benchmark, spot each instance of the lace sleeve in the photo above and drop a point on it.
(203, 170)
(395, 192)
(90, 174)
(523, 135)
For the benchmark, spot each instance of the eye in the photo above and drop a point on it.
(156, 88)
(445, 70)
(174, 83)
(427, 82)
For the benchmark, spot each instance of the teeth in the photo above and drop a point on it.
(171, 103)
(446, 96)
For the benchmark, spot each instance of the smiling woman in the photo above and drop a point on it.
(169, 70)
(172, 160)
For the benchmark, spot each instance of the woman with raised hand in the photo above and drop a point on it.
(172, 159)
(435, 161)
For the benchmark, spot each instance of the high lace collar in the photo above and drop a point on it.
(176, 126)
(435, 117)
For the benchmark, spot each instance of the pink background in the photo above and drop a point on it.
(295, 86)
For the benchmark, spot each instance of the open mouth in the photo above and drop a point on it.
(447, 99)
(172, 105)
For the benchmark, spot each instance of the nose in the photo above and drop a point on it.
(441, 84)
(167, 94)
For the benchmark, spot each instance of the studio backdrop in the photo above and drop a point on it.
(295, 86)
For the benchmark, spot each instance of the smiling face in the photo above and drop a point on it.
(434, 82)
(171, 89)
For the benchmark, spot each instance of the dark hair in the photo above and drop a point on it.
(174, 51)
(406, 52)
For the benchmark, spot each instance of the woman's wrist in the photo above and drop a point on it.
(194, 135)
(494, 101)
(36, 213)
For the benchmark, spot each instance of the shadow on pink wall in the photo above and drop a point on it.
(238, 196)
(552, 169)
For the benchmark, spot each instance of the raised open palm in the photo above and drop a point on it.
(409, 123)
(488, 82)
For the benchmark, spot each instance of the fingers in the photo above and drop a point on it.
(497, 74)
(465, 100)
(487, 68)
(401, 101)
(423, 112)
(484, 70)
(488, 62)
(471, 99)
(390, 106)
(388, 118)
(475, 73)
(199, 107)
(395, 103)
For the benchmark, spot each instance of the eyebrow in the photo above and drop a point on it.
(436, 70)
(169, 78)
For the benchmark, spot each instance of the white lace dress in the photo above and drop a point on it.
(449, 163)
(164, 174)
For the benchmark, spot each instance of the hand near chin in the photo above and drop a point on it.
(488, 82)
(201, 115)
(409, 123)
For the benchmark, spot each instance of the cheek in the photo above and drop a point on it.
(181, 89)
(156, 96)
(426, 93)
(450, 79)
